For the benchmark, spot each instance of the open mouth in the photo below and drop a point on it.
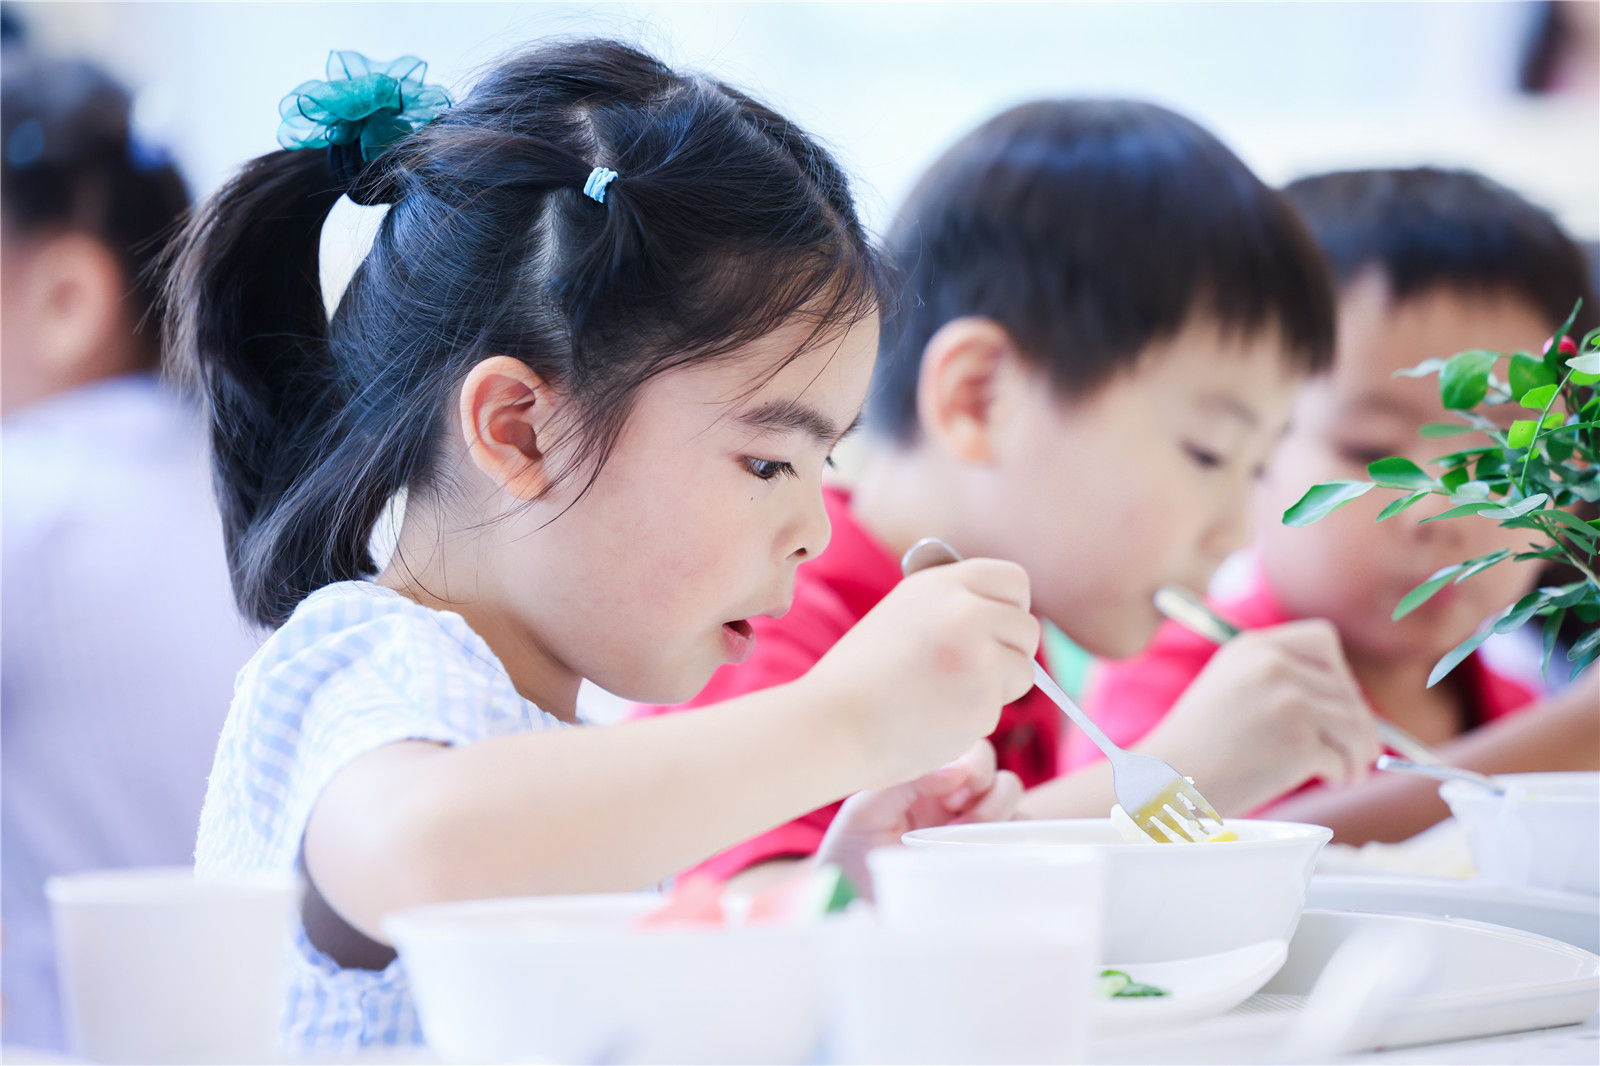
(738, 640)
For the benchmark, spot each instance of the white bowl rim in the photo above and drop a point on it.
(955, 835)
(461, 920)
(1467, 791)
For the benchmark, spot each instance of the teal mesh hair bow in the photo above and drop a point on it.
(365, 104)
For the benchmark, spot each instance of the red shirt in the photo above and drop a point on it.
(1128, 699)
(832, 593)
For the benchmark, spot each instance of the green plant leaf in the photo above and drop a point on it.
(1583, 662)
(1584, 377)
(1521, 611)
(1464, 381)
(1436, 430)
(1520, 435)
(1537, 398)
(1589, 642)
(1425, 591)
(1552, 354)
(1576, 527)
(1587, 363)
(1552, 629)
(1553, 420)
(1528, 372)
(1518, 509)
(1471, 492)
(1462, 458)
(1396, 506)
(1322, 500)
(1453, 657)
(1458, 511)
(1482, 563)
(1421, 370)
(1452, 480)
(1397, 473)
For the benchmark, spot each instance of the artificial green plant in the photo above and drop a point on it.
(1528, 476)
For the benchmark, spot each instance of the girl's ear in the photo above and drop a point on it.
(505, 410)
(964, 388)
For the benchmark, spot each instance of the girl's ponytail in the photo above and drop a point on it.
(246, 320)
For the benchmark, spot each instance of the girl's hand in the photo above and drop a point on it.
(1273, 709)
(967, 790)
(926, 672)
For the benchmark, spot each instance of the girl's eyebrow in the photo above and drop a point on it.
(790, 416)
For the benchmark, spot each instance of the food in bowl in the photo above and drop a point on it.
(1542, 833)
(1164, 902)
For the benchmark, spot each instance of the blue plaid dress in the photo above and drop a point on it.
(357, 666)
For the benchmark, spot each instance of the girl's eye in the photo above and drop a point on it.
(1207, 460)
(767, 469)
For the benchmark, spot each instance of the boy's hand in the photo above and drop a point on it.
(926, 672)
(1273, 709)
(967, 790)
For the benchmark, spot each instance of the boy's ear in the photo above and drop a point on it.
(504, 409)
(963, 386)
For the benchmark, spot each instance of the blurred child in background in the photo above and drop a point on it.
(1429, 263)
(1104, 320)
(119, 638)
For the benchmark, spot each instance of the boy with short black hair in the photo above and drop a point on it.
(1429, 262)
(1104, 320)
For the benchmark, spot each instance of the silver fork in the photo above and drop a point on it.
(1192, 613)
(1163, 803)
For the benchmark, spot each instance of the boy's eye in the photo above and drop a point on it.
(1359, 455)
(1208, 460)
(767, 469)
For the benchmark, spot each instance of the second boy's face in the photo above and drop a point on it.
(1146, 482)
(1347, 567)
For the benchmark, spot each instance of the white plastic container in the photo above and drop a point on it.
(908, 987)
(1172, 901)
(158, 965)
(571, 979)
(1544, 833)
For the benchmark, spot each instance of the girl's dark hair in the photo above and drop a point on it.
(726, 221)
(1089, 230)
(71, 164)
(1427, 229)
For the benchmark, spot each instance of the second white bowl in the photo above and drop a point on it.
(1172, 901)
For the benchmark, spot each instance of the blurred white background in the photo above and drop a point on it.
(1293, 88)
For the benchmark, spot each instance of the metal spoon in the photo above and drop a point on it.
(1440, 772)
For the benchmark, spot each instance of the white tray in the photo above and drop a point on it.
(1485, 980)
(1559, 915)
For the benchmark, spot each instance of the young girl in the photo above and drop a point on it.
(610, 329)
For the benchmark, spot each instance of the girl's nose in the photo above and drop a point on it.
(810, 532)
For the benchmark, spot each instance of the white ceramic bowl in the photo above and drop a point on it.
(569, 979)
(1543, 833)
(1172, 901)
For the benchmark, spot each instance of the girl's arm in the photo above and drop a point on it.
(1561, 733)
(622, 807)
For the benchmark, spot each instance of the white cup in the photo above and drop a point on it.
(913, 994)
(976, 956)
(157, 965)
(1035, 892)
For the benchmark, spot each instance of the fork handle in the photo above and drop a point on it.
(1047, 684)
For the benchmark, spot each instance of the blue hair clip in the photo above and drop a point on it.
(595, 187)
